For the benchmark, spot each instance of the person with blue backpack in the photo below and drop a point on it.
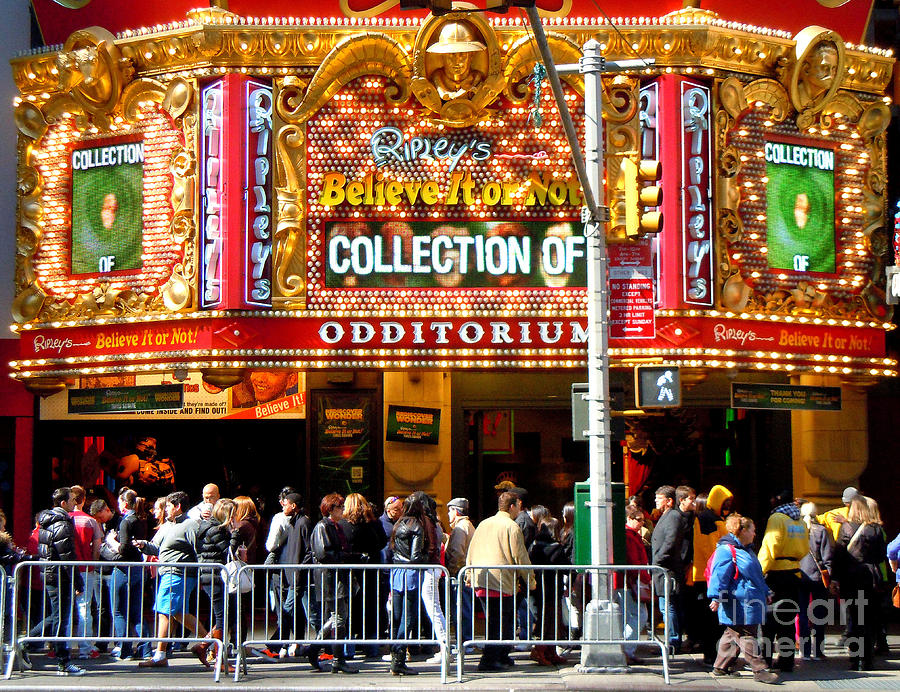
(738, 593)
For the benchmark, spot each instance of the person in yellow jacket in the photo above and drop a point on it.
(703, 625)
(833, 519)
(785, 543)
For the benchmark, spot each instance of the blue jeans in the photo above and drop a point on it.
(64, 617)
(283, 602)
(465, 594)
(672, 617)
(405, 606)
(126, 589)
(634, 618)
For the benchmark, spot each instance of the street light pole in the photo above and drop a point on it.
(603, 616)
(590, 175)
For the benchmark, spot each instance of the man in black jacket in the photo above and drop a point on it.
(56, 543)
(669, 550)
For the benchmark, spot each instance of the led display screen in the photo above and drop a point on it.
(107, 207)
(800, 207)
(454, 254)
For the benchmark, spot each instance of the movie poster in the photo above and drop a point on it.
(344, 443)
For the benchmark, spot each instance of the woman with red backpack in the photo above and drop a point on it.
(738, 591)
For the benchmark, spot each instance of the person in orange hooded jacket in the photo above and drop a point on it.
(708, 529)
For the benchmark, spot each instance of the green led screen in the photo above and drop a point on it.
(107, 208)
(800, 208)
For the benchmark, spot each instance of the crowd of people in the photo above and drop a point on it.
(811, 570)
(724, 598)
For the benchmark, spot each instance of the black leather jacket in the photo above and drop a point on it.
(56, 542)
(408, 542)
(326, 546)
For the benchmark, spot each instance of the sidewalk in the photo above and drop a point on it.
(687, 673)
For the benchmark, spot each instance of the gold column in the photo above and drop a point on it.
(407, 466)
(830, 448)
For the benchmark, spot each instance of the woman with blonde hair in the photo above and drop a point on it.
(213, 541)
(860, 550)
(365, 536)
(739, 593)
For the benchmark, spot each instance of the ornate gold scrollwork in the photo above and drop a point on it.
(30, 120)
(93, 71)
(772, 94)
(288, 240)
(523, 54)
(732, 97)
(355, 56)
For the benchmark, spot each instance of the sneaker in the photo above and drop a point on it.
(292, 650)
(766, 677)
(70, 669)
(721, 672)
(283, 653)
(326, 656)
(88, 655)
(437, 658)
(24, 659)
(116, 652)
(267, 652)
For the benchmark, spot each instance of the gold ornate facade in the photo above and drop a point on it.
(100, 85)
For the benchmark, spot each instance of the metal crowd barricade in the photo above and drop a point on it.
(8, 614)
(337, 605)
(556, 613)
(45, 593)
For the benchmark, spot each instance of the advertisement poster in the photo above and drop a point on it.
(785, 397)
(262, 394)
(344, 443)
(413, 424)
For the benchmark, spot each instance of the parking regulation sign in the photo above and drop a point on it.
(631, 292)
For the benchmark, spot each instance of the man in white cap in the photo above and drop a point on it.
(832, 519)
(461, 532)
(457, 45)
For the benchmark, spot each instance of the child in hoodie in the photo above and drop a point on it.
(739, 594)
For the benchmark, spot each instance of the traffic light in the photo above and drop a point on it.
(639, 198)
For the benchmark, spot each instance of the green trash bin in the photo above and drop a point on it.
(583, 523)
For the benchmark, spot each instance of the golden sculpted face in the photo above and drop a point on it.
(457, 65)
(820, 69)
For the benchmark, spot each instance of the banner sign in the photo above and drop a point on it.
(696, 145)
(258, 195)
(151, 340)
(262, 394)
(213, 227)
(412, 424)
(126, 399)
(631, 312)
(785, 397)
